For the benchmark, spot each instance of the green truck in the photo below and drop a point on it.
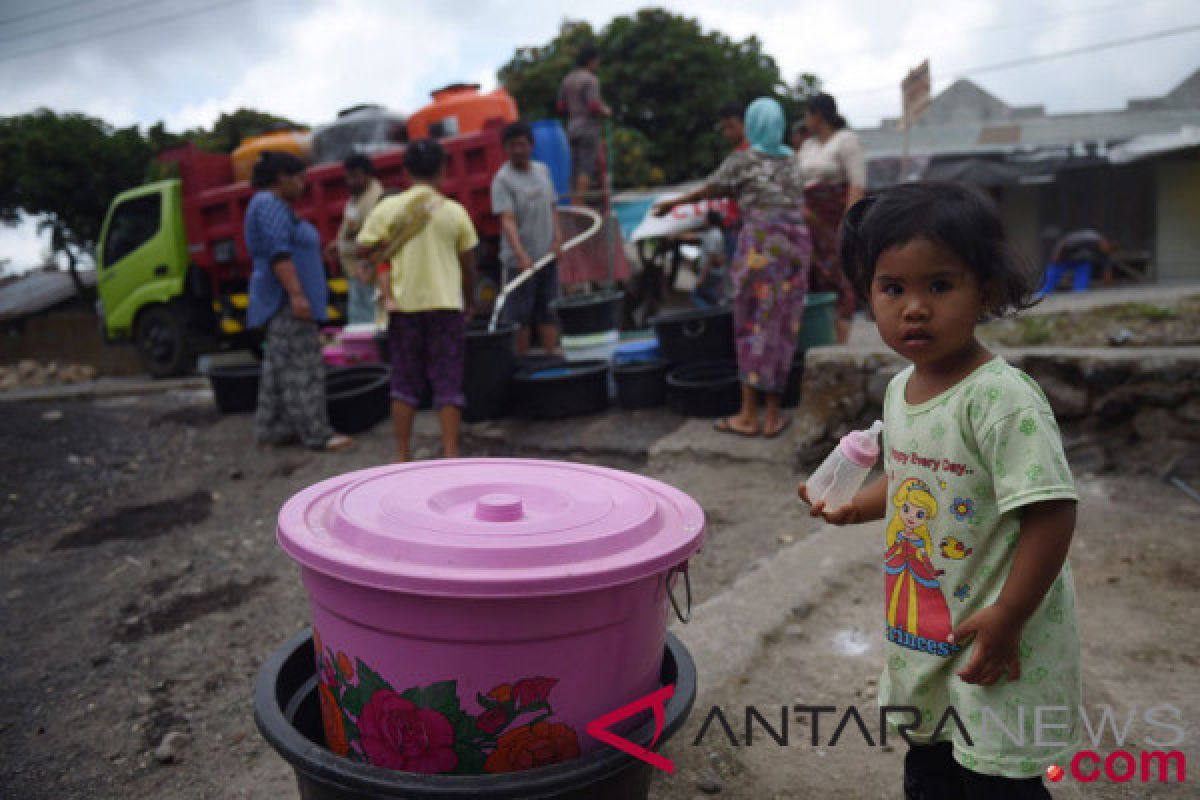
(172, 265)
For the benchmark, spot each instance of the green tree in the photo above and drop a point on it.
(230, 129)
(665, 77)
(66, 169)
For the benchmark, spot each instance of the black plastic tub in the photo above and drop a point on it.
(594, 312)
(491, 362)
(235, 387)
(641, 385)
(791, 392)
(383, 343)
(288, 713)
(692, 337)
(358, 397)
(536, 361)
(707, 389)
(571, 389)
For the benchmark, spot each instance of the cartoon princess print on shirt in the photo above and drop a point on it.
(917, 614)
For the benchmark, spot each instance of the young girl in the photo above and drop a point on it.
(984, 628)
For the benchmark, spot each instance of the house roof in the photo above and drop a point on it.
(965, 118)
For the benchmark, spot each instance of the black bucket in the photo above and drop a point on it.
(691, 337)
(595, 312)
(288, 714)
(708, 389)
(641, 385)
(235, 387)
(572, 389)
(383, 342)
(358, 397)
(491, 362)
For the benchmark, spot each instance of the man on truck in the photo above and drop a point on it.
(365, 192)
(579, 98)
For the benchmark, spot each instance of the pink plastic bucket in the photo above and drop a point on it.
(334, 355)
(358, 343)
(473, 616)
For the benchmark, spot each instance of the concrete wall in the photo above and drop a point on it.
(68, 337)
(1177, 249)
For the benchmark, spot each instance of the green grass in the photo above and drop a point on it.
(1145, 311)
(1036, 330)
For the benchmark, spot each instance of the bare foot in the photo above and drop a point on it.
(737, 425)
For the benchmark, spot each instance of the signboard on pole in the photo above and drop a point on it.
(915, 91)
(914, 97)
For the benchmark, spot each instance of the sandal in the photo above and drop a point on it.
(338, 442)
(725, 425)
(783, 426)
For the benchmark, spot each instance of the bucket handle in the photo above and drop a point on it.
(693, 327)
(672, 574)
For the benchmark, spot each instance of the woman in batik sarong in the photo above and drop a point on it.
(770, 265)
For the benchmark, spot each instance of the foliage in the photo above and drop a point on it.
(230, 129)
(665, 78)
(66, 168)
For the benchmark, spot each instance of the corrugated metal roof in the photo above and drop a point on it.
(964, 118)
(1108, 128)
(38, 291)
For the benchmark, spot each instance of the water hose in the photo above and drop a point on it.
(595, 222)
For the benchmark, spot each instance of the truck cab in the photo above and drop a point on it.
(142, 272)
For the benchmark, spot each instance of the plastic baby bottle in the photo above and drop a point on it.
(842, 473)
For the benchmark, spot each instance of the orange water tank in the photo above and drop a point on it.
(298, 143)
(460, 108)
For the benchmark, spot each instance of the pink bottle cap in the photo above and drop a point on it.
(862, 447)
(490, 528)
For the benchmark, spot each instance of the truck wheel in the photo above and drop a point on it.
(161, 340)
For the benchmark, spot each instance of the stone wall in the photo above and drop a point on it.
(1107, 400)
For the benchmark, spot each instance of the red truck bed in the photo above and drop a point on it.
(214, 206)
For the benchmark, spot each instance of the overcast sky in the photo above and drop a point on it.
(185, 61)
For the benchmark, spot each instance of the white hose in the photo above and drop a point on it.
(595, 222)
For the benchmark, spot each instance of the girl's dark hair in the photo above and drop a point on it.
(950, 215)
(271, 165)
(824, 106)
(423, 158)
(586, 55)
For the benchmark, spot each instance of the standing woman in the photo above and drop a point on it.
(770, 266)
(289, 295)
(835, 177)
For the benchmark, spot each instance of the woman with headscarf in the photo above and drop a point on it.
(770, 266)
(835, 177)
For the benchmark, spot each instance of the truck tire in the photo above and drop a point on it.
(161, 337)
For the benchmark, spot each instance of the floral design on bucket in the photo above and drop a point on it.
(425, 729)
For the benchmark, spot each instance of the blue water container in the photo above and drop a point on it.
(551, 148)
(637, 351)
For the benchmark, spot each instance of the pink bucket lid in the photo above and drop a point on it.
(490, 527)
